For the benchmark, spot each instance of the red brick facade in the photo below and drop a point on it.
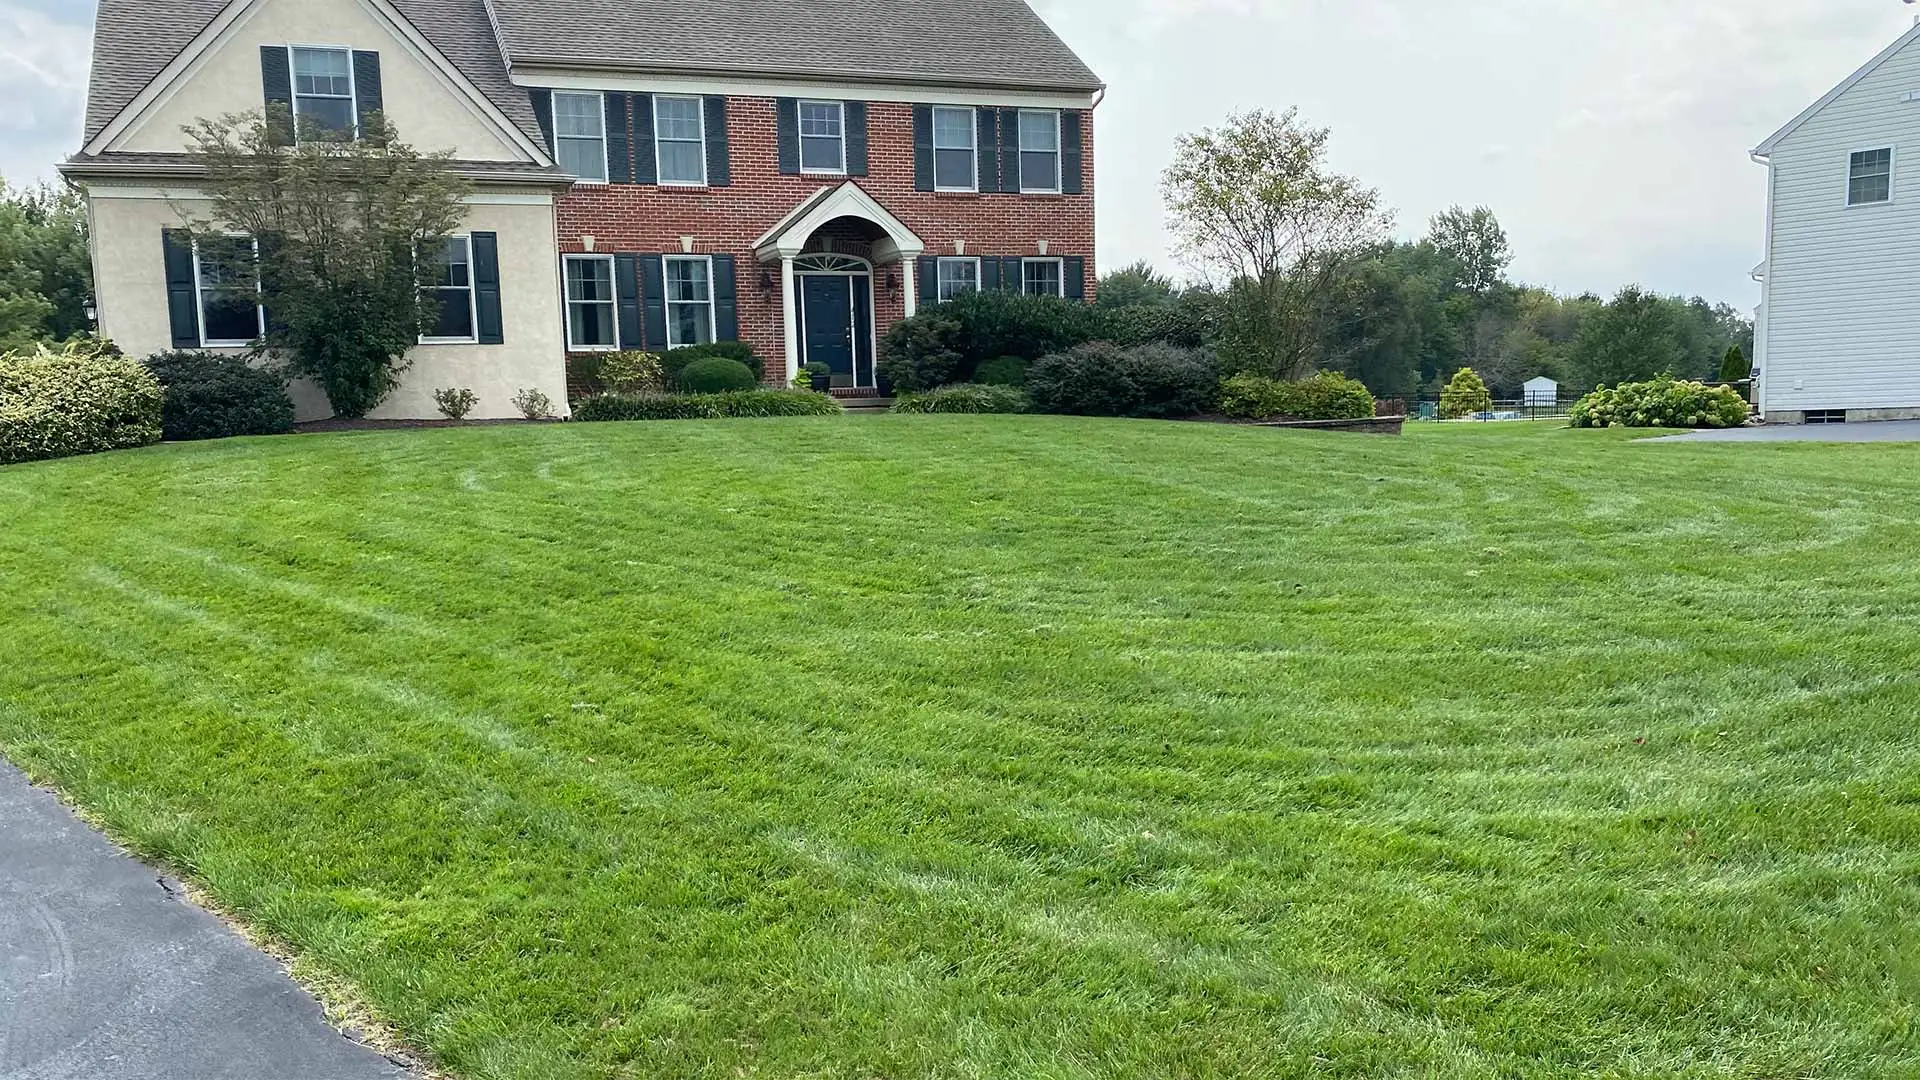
(627, 218)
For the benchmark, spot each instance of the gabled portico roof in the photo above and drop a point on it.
(790, 234)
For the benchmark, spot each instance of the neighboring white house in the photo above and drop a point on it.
(1837, 335)
(1541, 391)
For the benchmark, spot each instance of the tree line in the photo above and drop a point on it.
(1297, 273)
(46, 274)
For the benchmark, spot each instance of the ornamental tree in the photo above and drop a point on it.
(1464, 395)
(340, 226)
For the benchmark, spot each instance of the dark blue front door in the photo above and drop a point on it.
(826, 312)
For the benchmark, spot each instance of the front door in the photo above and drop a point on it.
(826, 312)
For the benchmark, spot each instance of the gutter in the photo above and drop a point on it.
(577, 63)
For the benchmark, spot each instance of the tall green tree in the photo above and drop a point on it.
(344, 229)
(1255, 204)
(1634, 337)
(1473, 239)
(46, 274)
(1137, 285)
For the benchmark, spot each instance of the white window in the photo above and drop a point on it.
(1039, 151)
(957, 276)
(230, 313)
(823, 137)
(689, 300)
(1870, 177)
(953, 150)
(590, 315)
(1042, 277)
(580, 132)
(448, 277)
(323, 88)
(680, 140)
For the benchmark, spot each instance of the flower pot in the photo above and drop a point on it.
(822, 383)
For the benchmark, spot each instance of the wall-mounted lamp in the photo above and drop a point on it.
(766, 279)
(893, 280)
(92, 312)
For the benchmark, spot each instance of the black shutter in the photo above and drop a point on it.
(856, 128)
(1012, 277)
(626, 292)
(989, 274)
(543, 115)
(276, 77)
(786, 128)
(646, 160)
(929, 270)
(719, 168)
(923, 148)
(366, 85)
(183, 316)
(1070, 152)
(486, 288)
(1010, 151)
(653, 296)
(1074, 277)
(619, 144)
(987, 147)
(726, 307)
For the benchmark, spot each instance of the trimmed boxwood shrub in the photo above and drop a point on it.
(1324, 396)
(1005, 371)
(739, 403)
(215, 397)
(964, 398)
(674, 361)
(1464, 395)
(1101, 379)
(1662, 402)
(716, 375)
(82, 399)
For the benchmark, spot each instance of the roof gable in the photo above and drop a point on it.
(982, 43)
(1773, 142)
(137, 41)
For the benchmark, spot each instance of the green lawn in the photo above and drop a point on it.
(1035, 748)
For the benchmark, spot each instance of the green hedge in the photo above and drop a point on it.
(213, 396)
(1102, 379)
(82, 399)
(1663, 402)
(965, 398)
(1324, 396)
(739, 403)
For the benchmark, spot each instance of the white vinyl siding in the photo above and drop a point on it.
(680, 140)
(1841, 325)
(954, 277)
(955, 138)
(823, 137)
(580, 130)
(591, 318)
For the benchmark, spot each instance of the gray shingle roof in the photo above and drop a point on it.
(134, 40)
(988, 43)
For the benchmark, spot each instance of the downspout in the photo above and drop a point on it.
(1761, 362)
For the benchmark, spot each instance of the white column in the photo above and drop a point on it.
(907, 276)
(790, 318)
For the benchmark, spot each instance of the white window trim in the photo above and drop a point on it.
(700, 111)
(567, 301)
(944, 260)
(473, 300)
(1059, 262)
(200, 303)
(1059, 154)
(802, 137)
(668, 302)
(1893, 170)
(606, 154)
(353, 84)
(973, 117)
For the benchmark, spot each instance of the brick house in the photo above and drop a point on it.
(797, 175)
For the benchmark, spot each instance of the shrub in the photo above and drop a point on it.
(455, 403)
(1464, 395)
(1662, 402)
(1102, 379)
(995, 324)
(965, 398)
(1006, 371)
(533, 404)
(1324, 396)
(1734, 366)
(716, 375)
(923, 352)
(633, 372)
(209, 396)
(739, 403)
(82, 399)
(674, 361)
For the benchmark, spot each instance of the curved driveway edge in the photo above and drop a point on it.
(107, 975)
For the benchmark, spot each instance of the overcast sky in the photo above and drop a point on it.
(1610, 136)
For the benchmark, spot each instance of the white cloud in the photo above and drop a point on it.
(43, 90)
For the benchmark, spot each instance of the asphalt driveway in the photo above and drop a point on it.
(108, 974)
(1880, 431)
